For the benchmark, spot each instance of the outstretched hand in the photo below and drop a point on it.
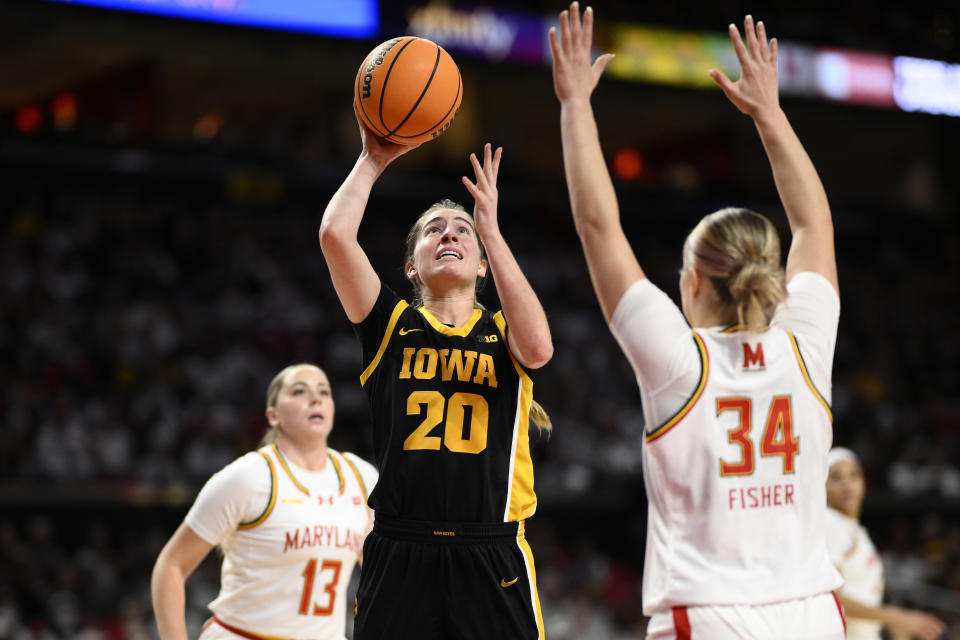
(381, 152)
(756, 90)
(574, 76)
(484, 191)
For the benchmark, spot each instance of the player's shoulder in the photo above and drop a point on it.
(246, 473)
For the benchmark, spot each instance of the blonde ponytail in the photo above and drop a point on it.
(739, 251)
(539, 417)
(756, 289)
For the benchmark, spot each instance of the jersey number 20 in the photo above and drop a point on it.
(432, 406)
(777, 438)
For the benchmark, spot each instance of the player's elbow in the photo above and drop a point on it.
(539, 355)
(331, 237)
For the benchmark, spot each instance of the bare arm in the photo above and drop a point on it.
(798, 184)
(356, 282)
(177, 560)
(529, 334)
(907, 622)
(596, 215)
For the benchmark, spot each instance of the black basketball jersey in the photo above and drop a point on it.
(450, 411)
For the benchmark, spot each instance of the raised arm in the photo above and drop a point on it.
(177, 560)
(356, 282)
(529, 334)
(798, 184)
(610, 259)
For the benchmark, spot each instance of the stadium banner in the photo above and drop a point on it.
(670, 56)
(855, 77)
(484, 32)
(930, 86)
(343, 18)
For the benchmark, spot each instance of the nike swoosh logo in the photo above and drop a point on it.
(404, 332)
(505, 584)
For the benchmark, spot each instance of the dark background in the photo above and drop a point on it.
(160, 264)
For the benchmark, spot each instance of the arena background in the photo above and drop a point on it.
(161, 185)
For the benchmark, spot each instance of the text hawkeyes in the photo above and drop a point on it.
(465, 366)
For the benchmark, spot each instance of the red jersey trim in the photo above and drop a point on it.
(240, 632)
(681, 623)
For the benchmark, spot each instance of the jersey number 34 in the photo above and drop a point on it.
(777, 438)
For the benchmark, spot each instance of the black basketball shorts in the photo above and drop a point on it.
(428, 580)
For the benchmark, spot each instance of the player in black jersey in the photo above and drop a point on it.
(452, 402)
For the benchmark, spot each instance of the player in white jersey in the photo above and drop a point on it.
(736, 409)
(857, 559)
(290, 519)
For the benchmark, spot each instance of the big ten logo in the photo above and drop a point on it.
(490, 338)
(465, 365)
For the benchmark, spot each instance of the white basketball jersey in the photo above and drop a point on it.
(736, 479)
(285, 574)
(858, 561)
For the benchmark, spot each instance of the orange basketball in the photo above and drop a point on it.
(408, 90)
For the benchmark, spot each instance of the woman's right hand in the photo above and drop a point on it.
(755, 93)
(574, 75)
(378, 151)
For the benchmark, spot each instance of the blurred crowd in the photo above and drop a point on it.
(143, 319)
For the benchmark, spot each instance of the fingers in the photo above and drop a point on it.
(554, 45)
(587, 34)
(764, 45)
(565, 31)
(725, 83)
(753, 45)
(600, 64)
(472, 188)
(496, 164)
(575, 27)
(478, 171)
(774, 48)
(738, 47)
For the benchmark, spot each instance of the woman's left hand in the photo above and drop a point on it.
(484, 191)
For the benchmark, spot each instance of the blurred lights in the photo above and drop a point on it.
(207, 126)
(628, 164)
(930, 86)
(29, 119)
(64, 109)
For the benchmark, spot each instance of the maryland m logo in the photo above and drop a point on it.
(753, 360)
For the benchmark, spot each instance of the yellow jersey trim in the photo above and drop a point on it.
(806, 376)
(685, 409)
(356, 472)
(452, 331)
(286, 467)
(273, 496)
(336, 467)
(397, 310)
(523, 499)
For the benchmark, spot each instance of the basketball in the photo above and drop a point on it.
(408, 90)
